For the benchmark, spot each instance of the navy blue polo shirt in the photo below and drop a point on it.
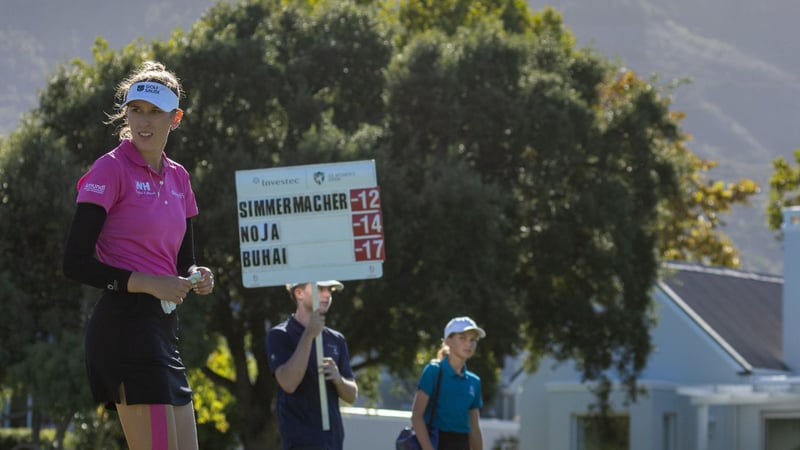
(458, 394)
(299, 413)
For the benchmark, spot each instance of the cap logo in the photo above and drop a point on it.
(152, 88)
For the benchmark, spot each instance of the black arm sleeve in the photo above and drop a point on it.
(79, 261)
(186, 258)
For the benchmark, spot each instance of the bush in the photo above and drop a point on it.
(97, 430)
(11, 437)
(210, 437)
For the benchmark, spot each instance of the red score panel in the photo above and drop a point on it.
(365, 199)
(367, 224)
(370, 249)
(367, 219)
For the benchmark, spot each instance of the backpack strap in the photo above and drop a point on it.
(435, 397)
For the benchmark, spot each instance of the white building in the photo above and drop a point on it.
(724, 373)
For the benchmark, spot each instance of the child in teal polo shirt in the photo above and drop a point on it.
(458, 399)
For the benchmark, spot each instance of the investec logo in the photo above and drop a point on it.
(143, 187)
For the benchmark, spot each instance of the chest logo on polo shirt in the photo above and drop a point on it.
(144, 188)
(177, 194)
(333, 350)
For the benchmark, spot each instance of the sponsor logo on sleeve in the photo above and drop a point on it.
(95, 188)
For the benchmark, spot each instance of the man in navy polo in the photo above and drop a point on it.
(294, 365)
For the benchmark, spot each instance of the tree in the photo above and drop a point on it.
(40, 310)
(783, 186)
(604, 183)
(53, 374)
(693, 218)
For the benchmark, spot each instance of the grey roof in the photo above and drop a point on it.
(743, 308)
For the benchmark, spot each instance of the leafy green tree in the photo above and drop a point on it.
(34, 202)
(783, 185)
(596, 160)
(417, 16)
(692, 219)
(53, 375)
(584, 189)
(39, 309)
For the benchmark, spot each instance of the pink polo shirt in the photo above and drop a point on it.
(146, 211)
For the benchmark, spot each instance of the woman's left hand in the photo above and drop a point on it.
(205, 285)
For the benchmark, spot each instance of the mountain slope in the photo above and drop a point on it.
(741, 101)
(37, 35)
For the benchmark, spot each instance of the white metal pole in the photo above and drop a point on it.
(323, 392)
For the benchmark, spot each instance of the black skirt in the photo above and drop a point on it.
(453, 441)
(130, 341)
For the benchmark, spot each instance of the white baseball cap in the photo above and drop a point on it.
(462, 324)
(154, 93)
(333, 284)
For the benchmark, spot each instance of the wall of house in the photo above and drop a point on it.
(648, 415)
(752, 436)
(549, 411)
(791, 287)
(684, 354)
(533, 407)
(723, 425)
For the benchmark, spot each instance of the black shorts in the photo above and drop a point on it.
(130, 341)
(453, 441)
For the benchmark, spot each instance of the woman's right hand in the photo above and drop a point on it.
(171, 288)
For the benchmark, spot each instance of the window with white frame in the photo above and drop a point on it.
(591, 433)
(782, 431)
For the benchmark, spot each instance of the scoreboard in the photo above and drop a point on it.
(309, 223)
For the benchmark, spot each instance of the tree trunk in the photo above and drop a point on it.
(61, 432)
(260, 431)
(36, 425)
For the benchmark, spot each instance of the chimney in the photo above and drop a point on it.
(791, 288)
